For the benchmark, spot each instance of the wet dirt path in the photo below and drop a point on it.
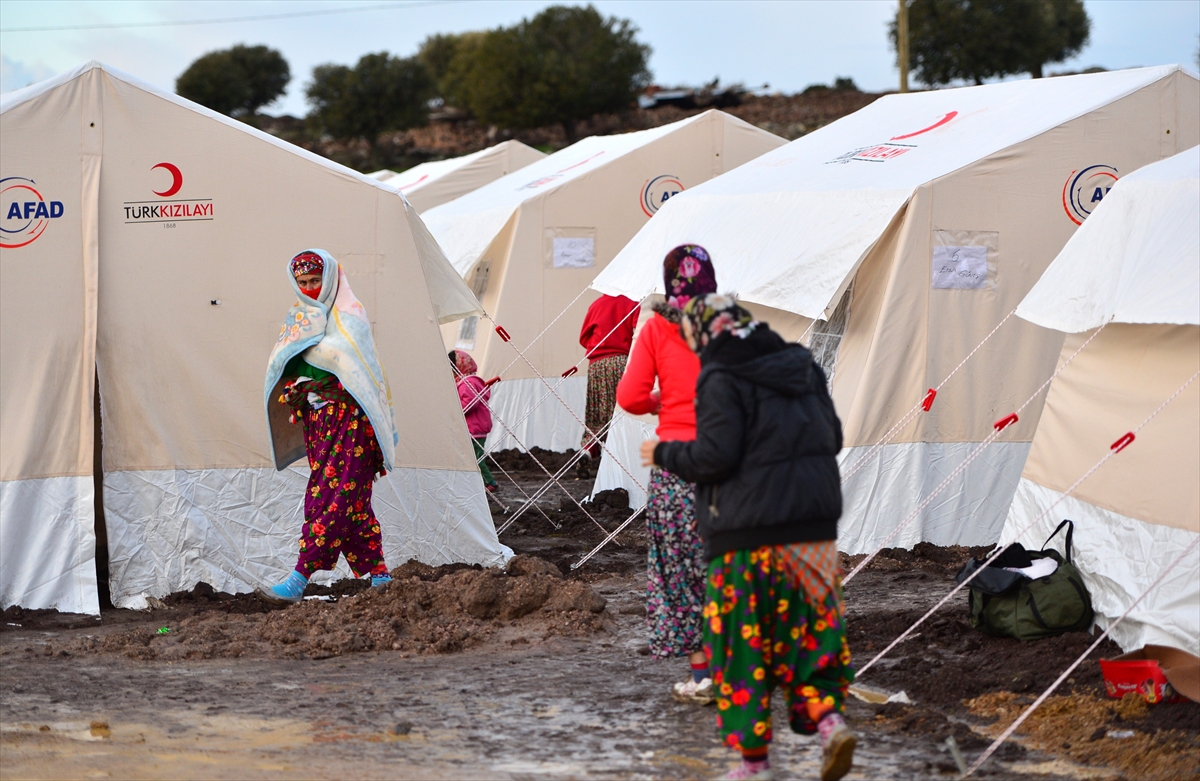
(558, 708)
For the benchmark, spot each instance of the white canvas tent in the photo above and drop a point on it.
(432, 184)
(1133, 268)
(531, 242)
(926, 217)
(146, 238)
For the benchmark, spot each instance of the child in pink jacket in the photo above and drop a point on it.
(474, 394)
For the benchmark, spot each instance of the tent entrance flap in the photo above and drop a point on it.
(101, 529)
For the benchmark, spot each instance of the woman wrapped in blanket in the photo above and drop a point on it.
(325, 370)
(768, 500)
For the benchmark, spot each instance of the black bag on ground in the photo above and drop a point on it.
(1009, 604)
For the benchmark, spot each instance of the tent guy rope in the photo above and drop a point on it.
(997, 427)
(1124, 441)
(1044, 695)
(926, 404)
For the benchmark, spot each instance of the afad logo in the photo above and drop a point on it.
(27, 213)
(171, 211)
(881, 153)
(658, 191)
(1085, 188)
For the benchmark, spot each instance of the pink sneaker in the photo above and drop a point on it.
(837, 744)
(750, 771)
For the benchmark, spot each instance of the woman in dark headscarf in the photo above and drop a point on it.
(325, 370)
(769, 498)
(675, 567)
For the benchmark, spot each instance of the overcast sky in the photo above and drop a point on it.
(788, 45)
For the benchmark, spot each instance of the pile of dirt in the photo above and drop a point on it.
(1096, 731)
(526, 464)
(424, 610)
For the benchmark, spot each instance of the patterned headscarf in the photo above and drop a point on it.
(464, 364)
(307, 263)
(712, 315)
(687, 273)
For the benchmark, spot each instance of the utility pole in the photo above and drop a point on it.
(902, 43)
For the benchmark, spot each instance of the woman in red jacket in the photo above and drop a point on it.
(607, 334)
(676, 566)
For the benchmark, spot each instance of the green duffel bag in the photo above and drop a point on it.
(1033, 609)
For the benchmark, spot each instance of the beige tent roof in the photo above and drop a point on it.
(432, 184)
(160, 262)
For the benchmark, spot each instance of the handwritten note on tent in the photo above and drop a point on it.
(960, 268)
(574, 252)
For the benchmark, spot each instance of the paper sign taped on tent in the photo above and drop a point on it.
(964, 259)
(959, 268)
(571, 252)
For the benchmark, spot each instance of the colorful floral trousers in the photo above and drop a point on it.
(761, 632)
(674, 567)
(344, 457)
(603, 377)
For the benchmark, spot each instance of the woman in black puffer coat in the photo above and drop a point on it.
(767, 502)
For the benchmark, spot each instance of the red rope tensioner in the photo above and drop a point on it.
(1005, 422)
(492, 381)
(927, 404)
(502, 333)
(570, 371)
(1125, 441)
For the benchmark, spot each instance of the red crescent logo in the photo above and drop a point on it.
(937, 124)
(176, 180)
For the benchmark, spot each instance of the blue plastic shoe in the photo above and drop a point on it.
(380, 580)
(289, 592)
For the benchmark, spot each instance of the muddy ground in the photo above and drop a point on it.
(540, 672)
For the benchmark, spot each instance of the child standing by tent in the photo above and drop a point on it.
(474, 394)
(675, 562)
(607, 335)
(769, 499)
(334, 386)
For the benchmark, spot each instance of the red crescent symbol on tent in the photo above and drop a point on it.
(937, 124)
(176, 180)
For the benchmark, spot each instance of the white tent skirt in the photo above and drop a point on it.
(50, 563)
(535, 416)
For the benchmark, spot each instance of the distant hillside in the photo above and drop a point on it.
(789, 116)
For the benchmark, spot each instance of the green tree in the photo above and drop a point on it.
(237, 81)
(380, 93)
(1061, 32)
(973, 40)
(449, 59)
(564, 65)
